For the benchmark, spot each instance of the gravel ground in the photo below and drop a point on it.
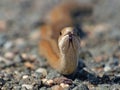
(21, 67)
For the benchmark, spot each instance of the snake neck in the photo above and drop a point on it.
(68, 61)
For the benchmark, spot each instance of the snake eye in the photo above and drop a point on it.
(60, 33)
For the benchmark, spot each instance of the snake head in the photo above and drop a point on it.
(69, 40)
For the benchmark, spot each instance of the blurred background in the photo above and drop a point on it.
(24, 13)
(19, 39)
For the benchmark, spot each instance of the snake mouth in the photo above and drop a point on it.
(70, 37)
(70, 41)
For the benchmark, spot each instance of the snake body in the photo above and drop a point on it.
(60, 42)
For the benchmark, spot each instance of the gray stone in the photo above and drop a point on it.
(81, 87)
(42, 70)
(27, 86)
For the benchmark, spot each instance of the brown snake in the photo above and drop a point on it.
(60, 43)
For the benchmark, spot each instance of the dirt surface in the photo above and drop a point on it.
(21, 67)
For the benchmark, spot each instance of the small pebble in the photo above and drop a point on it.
(100, 58)
(27, 57)
(20, 43)
(37, 75)
(8, 45)
(3, 39)
(29, 87)
(24, 56)
(34, 35)
(104, 87)
(52, 74)
(9, 55)
(29, 65)
(44, 80)
(50, 82)
(81, 87)
(101, 27)
(25, 76)
(47, 82)
(2, 59)
(59, 80)
(42, 70)
(17, 59)
(16, 87)
(115, 87)
(3, 25)
(64, 85)
(117, 53)
(107, 68)
(32, 58)
(57, 87)
(43, 88)
(2, 81)
(97, 69)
